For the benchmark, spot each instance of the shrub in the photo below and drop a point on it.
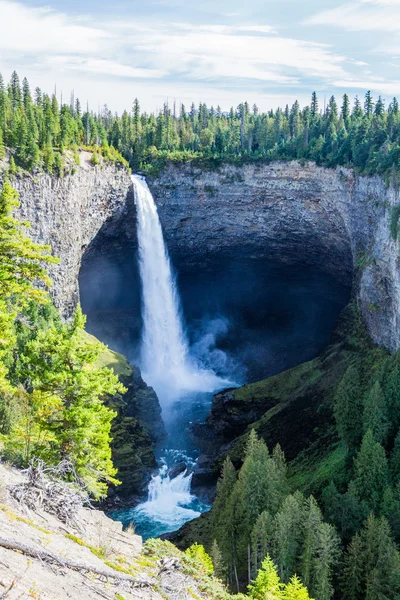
(197, 552)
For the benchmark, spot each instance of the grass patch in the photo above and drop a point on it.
(113, 360)
(310, 473)
(281, 385)
(13, 517)
(99, 552)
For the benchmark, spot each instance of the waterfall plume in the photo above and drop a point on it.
(165, 359)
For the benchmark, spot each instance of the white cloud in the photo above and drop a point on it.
(379, 86)
(100, 66)
(362, 15)
(42, 30)
(153, 59)
(209, 52)
(139, 49)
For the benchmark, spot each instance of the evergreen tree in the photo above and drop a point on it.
(348, 408)
(314, 105)
(22, 265)
(223, 518)
(372, 564)
(218, 561)
(353, 572)
(327, 555)
(312, 519)
(295, 590)
(395, 459)
(346, 110)
(62, 363)
(375, 415)
(2, 147)
(368, 104)
(288, 535)
(267, 586)
(371, 473)
(262, 540)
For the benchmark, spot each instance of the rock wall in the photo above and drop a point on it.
(294, 213)
(67, 214)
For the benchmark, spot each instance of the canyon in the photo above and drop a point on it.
(296, 216)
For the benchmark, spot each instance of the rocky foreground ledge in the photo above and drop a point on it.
(42, 557)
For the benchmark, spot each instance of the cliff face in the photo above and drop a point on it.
(296, 214)
(67, 214)
(293, 213)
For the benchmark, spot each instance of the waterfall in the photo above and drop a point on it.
(165, 360)
(170, 503)
(167, 366)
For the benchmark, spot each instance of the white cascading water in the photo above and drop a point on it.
(168, 500)
(165, 360)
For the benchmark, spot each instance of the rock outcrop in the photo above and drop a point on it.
(67, 213)
(137, 426)
(293, 213)
(43, 557)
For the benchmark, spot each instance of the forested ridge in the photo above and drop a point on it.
(364, 134)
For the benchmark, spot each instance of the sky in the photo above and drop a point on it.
(268, 52)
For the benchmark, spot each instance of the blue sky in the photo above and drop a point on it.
(221, 52)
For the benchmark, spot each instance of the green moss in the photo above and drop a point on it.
(13, 517)
(211, 190)
(281, 385)
(113, 360)
(374, 307)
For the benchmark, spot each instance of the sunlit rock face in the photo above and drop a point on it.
(67, 213)
(284, 211)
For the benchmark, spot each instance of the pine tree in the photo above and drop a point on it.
(357, 110)
(62, 363)
(261, 486)
(15, 91)
(314, 105)
(2, 147)
(223, 517)
(262, 540)
(372, 564)
(346, 110)
(288, 535)
(395, 459)
(22, 265)
(353, 571)
(295, 590)
(375, 415)
(368, 104)
(13, 167)
(326, 558)
(379, 107)
(218, 561)
(348, 406)
(267, 586)
(371, 473)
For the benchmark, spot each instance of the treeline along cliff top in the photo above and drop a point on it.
(37, 127)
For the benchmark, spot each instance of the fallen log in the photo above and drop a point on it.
(50, 557)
